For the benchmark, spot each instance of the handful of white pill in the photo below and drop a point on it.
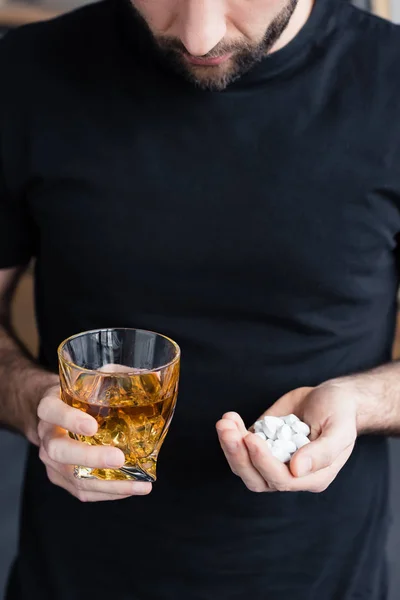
(284, 435)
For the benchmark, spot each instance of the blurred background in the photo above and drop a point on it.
(12, 447)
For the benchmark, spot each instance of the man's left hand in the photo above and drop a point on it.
(331, 412)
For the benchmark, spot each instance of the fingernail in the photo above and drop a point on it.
(115, 458)
(87, 427)
(304, 466)
(141, 489)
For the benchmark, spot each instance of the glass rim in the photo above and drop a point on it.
(127, 373)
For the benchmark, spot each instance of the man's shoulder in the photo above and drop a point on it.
(64, 38)
(373, 35)
(369, 50)
(366, 22)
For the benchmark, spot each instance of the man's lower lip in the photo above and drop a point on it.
(208, 62)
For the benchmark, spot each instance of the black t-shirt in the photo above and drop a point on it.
(257, 227)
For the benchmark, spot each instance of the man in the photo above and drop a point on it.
(227, 173)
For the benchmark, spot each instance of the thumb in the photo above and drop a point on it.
(288, 403)
(321, 453)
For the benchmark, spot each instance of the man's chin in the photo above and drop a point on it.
(215, 78)
(212, 78)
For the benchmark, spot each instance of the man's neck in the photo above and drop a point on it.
(299, 19)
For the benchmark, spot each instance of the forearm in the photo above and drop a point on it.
(22, 385)
(377, 396)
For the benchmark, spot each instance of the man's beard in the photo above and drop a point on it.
(244, 55)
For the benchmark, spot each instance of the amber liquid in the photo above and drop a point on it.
(133, 413)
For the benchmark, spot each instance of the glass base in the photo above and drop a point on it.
(124, 473)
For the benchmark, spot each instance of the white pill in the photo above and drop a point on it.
(290, 419)
(269, 433)
(300, 427)
(258, 426)
(271, 426)
(270, 444)
(285, 433)
(261, 435)
(274, 421)
(286, 445)
(300, 440)
(280, 454)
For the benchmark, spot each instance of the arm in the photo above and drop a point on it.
(377, 395)
(30, 403)
(22, 382)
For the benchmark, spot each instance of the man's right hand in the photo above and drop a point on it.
(60, 453)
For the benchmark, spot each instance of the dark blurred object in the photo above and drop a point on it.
(13, 447)
(12, 452)
(365, 4)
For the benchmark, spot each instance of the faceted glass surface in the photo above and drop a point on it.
(128, 381)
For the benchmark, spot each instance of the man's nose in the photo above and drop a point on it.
(202, 25)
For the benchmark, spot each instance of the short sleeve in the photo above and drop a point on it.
(16, 228)
(16, 234)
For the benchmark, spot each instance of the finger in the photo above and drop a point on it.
(275, 473)
(229, 435)
(238, 457)
(95, 490)
(279, 477)
(62, 449)
(236, 418)
(322, 452)
(115, 368)
(113, 488)
(53, 410)
(320, 480)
